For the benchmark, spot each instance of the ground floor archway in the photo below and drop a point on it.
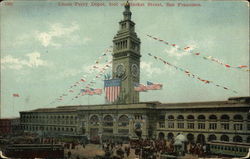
(170, 136)
(200, 139)
(161, 136)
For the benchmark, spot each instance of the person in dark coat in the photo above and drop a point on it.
(69, 154)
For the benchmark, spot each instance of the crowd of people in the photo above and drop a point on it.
(115, 150)
(167, 147)
(197, 149)
(142, 148)
(146, 148)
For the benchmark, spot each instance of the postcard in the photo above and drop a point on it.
(102, 77)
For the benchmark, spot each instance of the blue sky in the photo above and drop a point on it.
(45, 48)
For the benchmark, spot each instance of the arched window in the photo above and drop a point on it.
(200, 139)
(190, 137)
(123, 120)
(180, 117)
(94, 120)
(213, 117)
(224, 138)
(190, 124)
(201, 118)
(224, 118)
(237, 139)
(170, 121)
(238, 117)
(161, 135)
(170, 136)
(190, 117)
(212, 137)
(180, 123)
(108, 120)
(170, 117)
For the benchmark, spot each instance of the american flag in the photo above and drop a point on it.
(140, 87)
(153, 86)
(112, 89)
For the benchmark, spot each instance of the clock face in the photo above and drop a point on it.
(120, 70)
(134, 70)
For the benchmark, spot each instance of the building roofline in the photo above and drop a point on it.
(231, 102)
(9, 118)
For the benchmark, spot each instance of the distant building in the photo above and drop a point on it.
(9, 125)
(127, 118)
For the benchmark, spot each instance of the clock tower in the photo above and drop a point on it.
(126, 59)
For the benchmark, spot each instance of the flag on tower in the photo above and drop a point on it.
(112, 89)
(153, 86)
(140, 87)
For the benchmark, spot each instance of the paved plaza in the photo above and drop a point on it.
(92, 150)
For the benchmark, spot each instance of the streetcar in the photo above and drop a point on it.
(225, 148)
(47, 151)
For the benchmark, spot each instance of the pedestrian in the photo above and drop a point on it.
(77, 157)
(128, 151)
(69, 154)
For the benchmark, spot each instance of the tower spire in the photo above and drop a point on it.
(127, 13)
(126, 58)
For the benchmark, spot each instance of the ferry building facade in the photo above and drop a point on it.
(127, 117)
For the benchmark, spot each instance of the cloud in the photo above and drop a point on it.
(34, 60)
(18, 63)
(58, 32)
(149, 69)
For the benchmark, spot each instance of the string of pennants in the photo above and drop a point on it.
(189, 50)
(150, 86)
(91, 91)
(190, 74)
(88, 90)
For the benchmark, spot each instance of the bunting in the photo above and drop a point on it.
(97, 67)
(188, 49)
(91, 91)
(190, 74)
